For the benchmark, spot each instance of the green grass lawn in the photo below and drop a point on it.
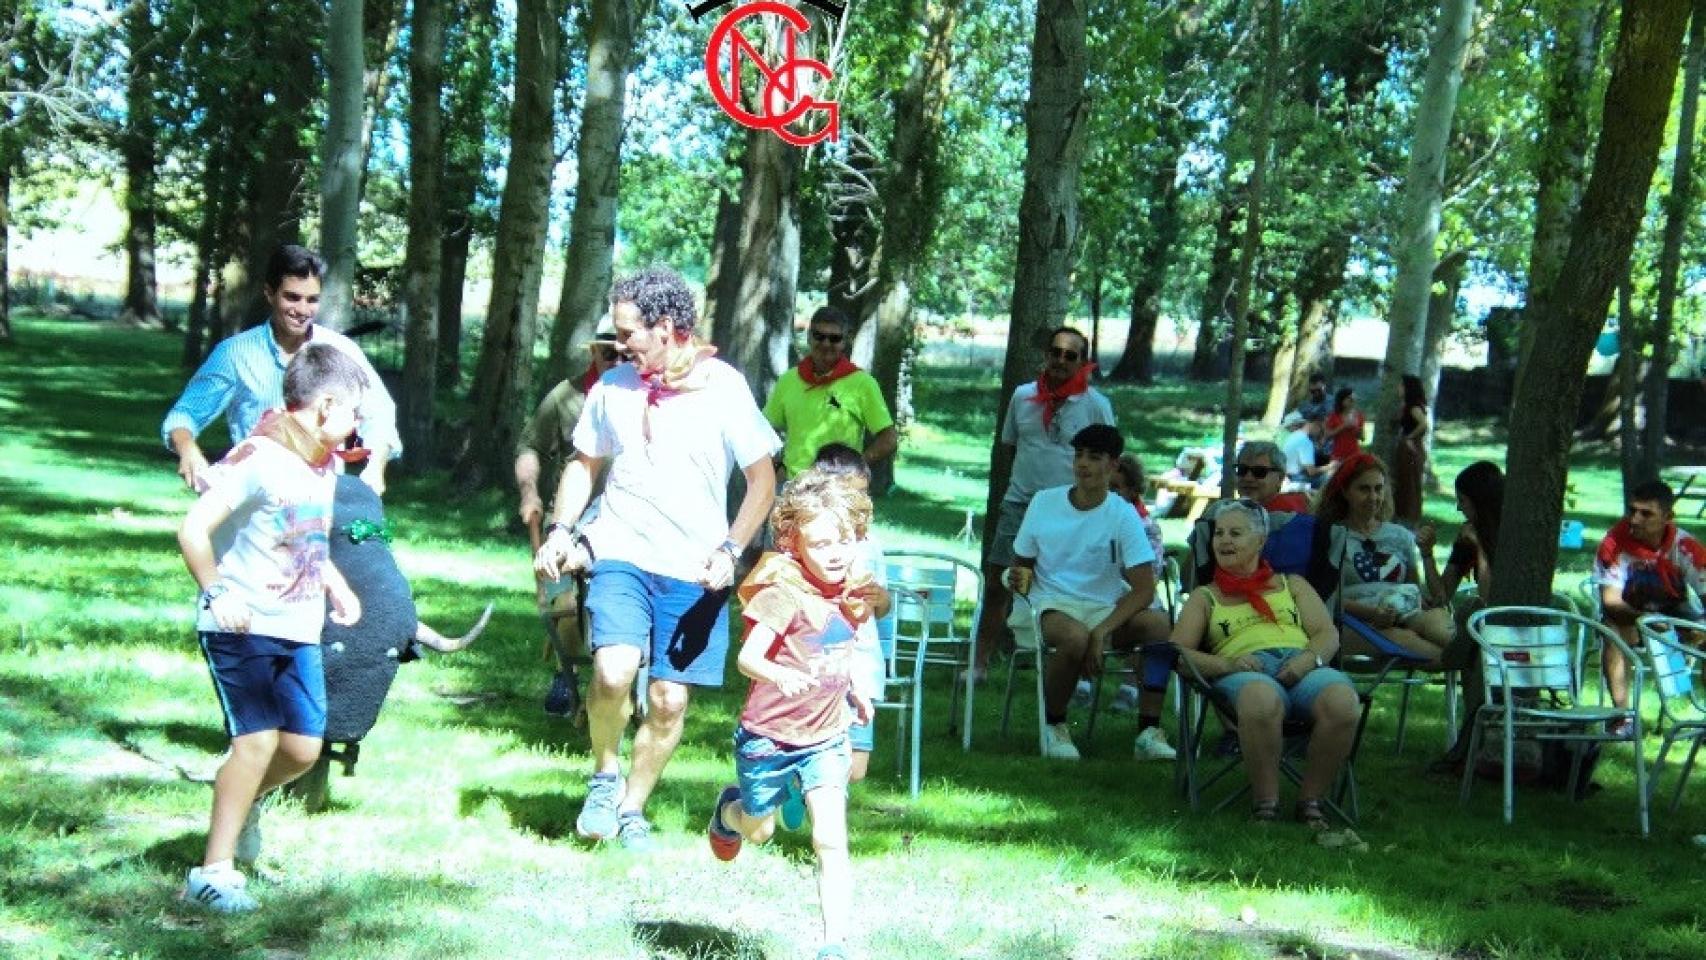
(455, 838)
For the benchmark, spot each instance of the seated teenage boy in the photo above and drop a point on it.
(1646, 565)
(1083, 559)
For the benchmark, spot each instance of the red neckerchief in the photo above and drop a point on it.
(779, 568)
(589, 378)
(1659, 556)
(1248, 588)
(283, 430)
(843, 368)
(1142, 510)
(1051, 398)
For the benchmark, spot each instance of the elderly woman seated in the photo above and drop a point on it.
(1263, 641)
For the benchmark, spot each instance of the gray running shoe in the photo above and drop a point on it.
(597, 820)
(634, 831)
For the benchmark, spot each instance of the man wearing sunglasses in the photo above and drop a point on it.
(827, 399)
(1260, 475)
(545, 441)
(1042, 418)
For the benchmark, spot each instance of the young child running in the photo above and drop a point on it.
(803, 607)
(263, 599)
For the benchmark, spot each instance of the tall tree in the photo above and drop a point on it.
(1272, 49)
(503, 375)
(1549, 385)
(754, 327)
(1679, 207)
(1418, 228)
(598, 162)
(1057, 119)
(341, 159)
(421, 259)
(472, 95)
(137, 144)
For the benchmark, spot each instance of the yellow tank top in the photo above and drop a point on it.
(1237, 629)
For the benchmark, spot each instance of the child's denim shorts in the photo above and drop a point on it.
(763, 767)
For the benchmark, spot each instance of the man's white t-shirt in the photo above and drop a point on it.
(1043, 454)
(1082, 554)
(665, 504)
(1299, 452)
(279, 530)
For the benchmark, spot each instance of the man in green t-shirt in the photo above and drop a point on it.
(826, 399)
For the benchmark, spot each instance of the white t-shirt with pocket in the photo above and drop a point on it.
(1082, 554)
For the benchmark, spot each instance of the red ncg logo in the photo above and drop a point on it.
(757, 76)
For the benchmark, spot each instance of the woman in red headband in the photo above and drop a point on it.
(1377, 569)
(1264, 640)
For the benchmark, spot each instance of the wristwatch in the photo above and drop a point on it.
(731, 548)
(219, 589)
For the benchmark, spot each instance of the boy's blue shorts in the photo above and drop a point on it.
(763, 767)
(681, 628)
(265, 683)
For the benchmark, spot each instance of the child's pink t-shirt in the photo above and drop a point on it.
(813, 635)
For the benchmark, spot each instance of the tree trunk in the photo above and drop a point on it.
(1149, 270)
(208, 256)
(421, 259)
(1298, 351)
(598, 162)
(855, 209)
(141, 133)
(1057, 121)
(5, 244)
(341, 161)
(1628, 376)
(1094, 295)
(381, 27)
(755, 324)
(1637, 102)
(502, 378)
(1252, 242)
(1442, 315)
(723, 273)
(464, 171)
(1211, 313)
(1560, 164)
(1677, 209)
(1424, 189)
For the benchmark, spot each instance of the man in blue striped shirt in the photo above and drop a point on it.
(244, 376)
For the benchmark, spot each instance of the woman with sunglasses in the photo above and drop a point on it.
(1377, 571)
(1263, 641)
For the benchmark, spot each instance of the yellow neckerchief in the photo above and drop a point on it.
(779, 569)
(284, 430)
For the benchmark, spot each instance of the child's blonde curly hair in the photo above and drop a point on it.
(812, 493)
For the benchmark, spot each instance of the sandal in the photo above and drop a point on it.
(1265, 811)
(1310, 814)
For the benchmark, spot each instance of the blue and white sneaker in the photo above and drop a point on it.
(222, 891)
(793, 805)
(634, 831)
(597, 820)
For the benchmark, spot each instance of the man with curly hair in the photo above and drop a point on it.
(670, 427)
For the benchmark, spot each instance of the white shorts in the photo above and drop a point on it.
(1087, 612)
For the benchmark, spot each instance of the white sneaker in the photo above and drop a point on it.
(1152, 745)
(1082, 693)
(1057, 742)
(1125, 699)
(222, 891)
(249, 841)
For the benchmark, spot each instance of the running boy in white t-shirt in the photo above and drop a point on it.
(1082, 558)
(263, 599)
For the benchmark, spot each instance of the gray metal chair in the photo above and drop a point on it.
(1682, 703)
(1534, 691)
(905, 675)
(928, 615)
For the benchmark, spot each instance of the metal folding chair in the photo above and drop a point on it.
(905, 675)
(1533, 685)
(927, 614)
(1682, 703)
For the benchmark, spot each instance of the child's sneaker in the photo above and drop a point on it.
(1152, 745)
(222, 891)
(1082, 694)
(1125, 699)
(597, 820)
(249, 841)
(793, 805)
(1057, 742)
(725, 843)
(562, 700)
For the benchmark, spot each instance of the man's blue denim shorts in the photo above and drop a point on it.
(1299, 698)
(763, 767)
(265, 683)
(681, 628)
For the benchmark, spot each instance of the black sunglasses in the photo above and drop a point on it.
(825, 337)
(1059, 353)
(1260, 473)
